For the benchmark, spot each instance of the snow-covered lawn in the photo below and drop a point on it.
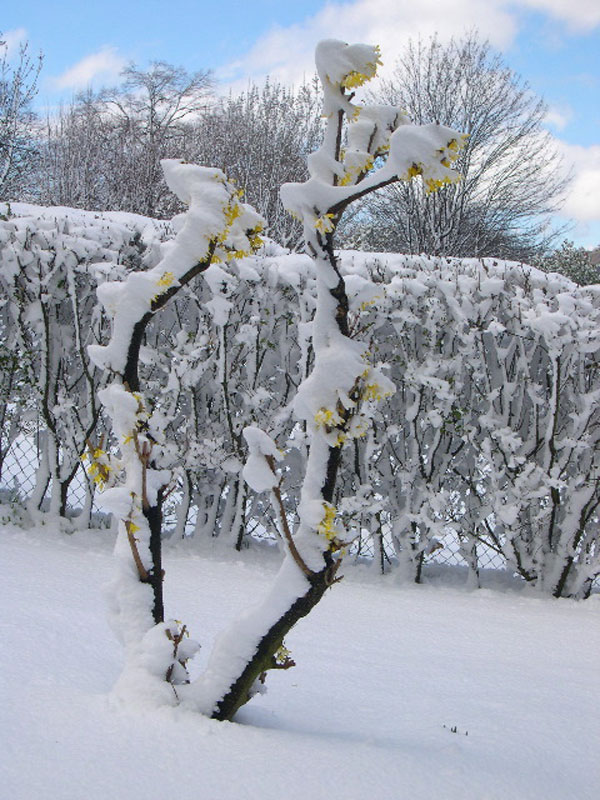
(384, 673)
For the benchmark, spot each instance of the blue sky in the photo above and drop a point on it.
(553, 44)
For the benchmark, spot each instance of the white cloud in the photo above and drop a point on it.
(558, 117)
(583, 200)
(12, 40)
(287, 53)
(106, 63)
(578, 14)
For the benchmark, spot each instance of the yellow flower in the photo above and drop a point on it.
(282, 655)
(434, 184)
(354, 172)
(327, 525)
(99, 469)
(166, 280)
(414, 170)
(232, 212)
(359, 429)
(355, 78)
(372, 391)
(237, 254)
(256, 242)
(366, 304)
(327, 418)
(324, 224)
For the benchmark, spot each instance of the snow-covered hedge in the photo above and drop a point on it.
(52, 261)
(491, 438)
(493, 432)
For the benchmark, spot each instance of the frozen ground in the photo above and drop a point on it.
(385, 672)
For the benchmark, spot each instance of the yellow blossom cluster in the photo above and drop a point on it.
(354, 78)
(353, 172)
(131, 527)
(327, 418)
(231, 212)
(282, 655)
(166, 280)
(414, 170)
(324, 224)
(256, 241)
(367, 304)
(340, 426)
(99, 468)
(370, 389)
(433, 185)
(447, 155)
(141, 419)
(326, 526)
(451, 151)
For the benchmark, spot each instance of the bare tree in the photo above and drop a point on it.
(77, 157)
(104, 151)
(18, 87)
(149, 109)
(261, 138)
(511, 177)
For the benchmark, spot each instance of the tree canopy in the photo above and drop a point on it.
(512, 179)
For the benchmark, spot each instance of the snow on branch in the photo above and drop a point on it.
(381, 146)
(216, 227)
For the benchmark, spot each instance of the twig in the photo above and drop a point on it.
(284, 524)
(142, 571)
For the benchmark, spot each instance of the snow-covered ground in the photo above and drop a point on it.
(384, 674)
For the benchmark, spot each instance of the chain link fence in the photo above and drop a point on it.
(18, 483)
(448, 550)
(19, 477)
(19, 468)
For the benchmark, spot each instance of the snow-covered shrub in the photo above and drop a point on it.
(536, 431)
(574, 262)
(431, 397)
(492, 434)
(428, 475)
(51, 261)
(230, 353)
(334, 402)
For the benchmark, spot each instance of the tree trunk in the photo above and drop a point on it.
(153, 515)
(265, 656)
